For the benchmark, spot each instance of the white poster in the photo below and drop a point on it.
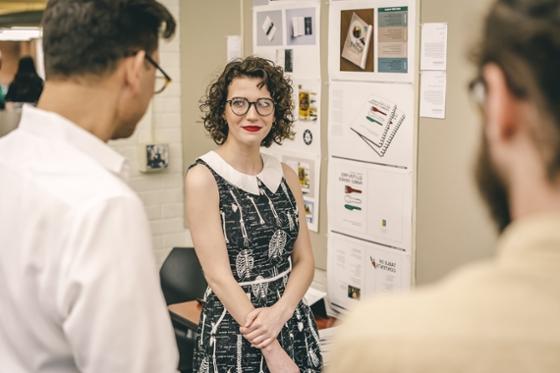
(288, 33)
(370, 202)
(433, 48)
(357, 270)
(307, 120)
(308, 170)
(372, 40)
(432, 94)
(372, 122)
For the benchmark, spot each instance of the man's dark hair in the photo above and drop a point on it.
(82, 37)
(214, 103)
(523, 38)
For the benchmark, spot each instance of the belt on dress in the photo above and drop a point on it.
(263, 280)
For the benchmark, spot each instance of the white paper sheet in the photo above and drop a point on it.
(397, 54)
(433, 47)
(307, 115)
(358, 270)
(370, 202)
(234, 47)
(433, 88)
(349, 104)
(299, 53)
(308, 169)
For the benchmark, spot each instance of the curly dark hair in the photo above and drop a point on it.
(280, 88)
(522, 37)
(90, 36)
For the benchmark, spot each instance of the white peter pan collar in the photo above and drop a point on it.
(271, 174)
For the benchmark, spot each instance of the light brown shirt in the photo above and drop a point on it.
(498, 316)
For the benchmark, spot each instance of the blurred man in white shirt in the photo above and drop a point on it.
(78, 282)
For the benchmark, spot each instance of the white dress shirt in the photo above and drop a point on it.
(79, 290)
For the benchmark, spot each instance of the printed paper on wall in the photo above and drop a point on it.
(358, 270)
(372, 122)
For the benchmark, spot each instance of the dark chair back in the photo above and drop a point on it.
(181, 276)
(182, 280)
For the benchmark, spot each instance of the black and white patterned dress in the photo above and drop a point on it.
(260, 224)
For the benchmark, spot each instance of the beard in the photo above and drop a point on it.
(492, 187)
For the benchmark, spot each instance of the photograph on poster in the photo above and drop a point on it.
(392, 41)
(300, 62)
(305, 171)
(300, 26)
(269, 28)
(309, 205)
(287, 33)
(392, 45)
(370, 202)
(306, 128)
(306, 104)
(358, 270)
(353, 292)
(307, 168)
(344, 273)
(351, 136)
(356, 40)
(285, 59)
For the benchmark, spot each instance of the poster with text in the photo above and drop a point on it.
(370, 202)
(372, 40)
(358, 270)
(306, 138)
(308, 170)
(393, 39)
(288, 34)
(372, 122)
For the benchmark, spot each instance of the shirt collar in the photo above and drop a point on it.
(531, 239)
(52, 126)
(271, 174)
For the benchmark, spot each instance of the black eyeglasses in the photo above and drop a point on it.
(477, 91)
(163, 80)
(241, 105)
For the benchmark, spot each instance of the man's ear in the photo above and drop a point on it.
(501, 106)
(133, 71)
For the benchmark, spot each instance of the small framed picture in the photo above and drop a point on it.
(154, 157)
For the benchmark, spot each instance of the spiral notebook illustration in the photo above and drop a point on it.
(394, 126)
(373, 119)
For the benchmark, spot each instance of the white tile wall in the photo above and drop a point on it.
(162, 193)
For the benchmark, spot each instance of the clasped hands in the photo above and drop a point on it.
(263, 325)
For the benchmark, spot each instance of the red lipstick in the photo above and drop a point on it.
(252, 128)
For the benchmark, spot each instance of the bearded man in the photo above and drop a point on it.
(502, 315)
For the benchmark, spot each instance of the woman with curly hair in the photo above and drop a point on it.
(246, 216)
